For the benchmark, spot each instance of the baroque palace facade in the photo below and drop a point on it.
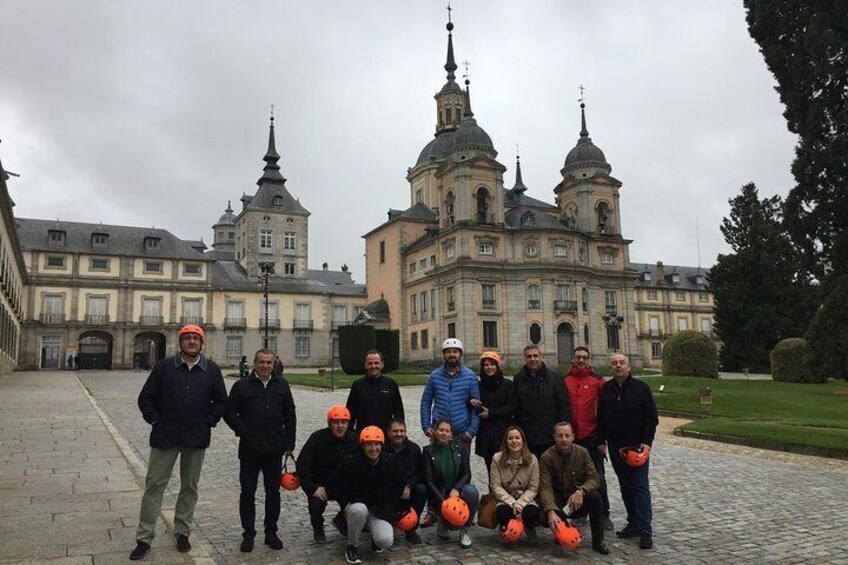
(498, 269)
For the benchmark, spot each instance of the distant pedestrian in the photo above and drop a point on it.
(70, 363)
(244, 368)
(278, 367)
(374, 400)
(183, 399)
(542, 401)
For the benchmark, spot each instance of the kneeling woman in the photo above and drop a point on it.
(447, 473)
(515, 482)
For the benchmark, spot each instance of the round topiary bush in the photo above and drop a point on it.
(789, 362)
(690, 354)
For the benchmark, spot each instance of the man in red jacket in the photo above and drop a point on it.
(584, 388)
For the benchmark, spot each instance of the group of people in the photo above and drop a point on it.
(543, 438)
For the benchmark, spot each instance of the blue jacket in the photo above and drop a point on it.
(446, 397)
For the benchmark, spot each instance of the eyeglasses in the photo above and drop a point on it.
(581, 356)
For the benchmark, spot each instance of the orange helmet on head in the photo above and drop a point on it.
(634, 455)
(567, 535)
(455, 511)
(493, 356)
(371, 433)
(408, 521)
(338, 412)
(193, 329)
(513, 532)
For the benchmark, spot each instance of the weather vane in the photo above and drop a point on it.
(582, 98)
(449, 12)
(466, 63)
(272, 111)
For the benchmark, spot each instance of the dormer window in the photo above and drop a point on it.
(675, 278)
(152, 243)
(528, 219)
(99, 241)
(277, 201)
(56, 238)
(699, 279)
(646, 277)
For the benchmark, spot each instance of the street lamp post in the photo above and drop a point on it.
(267, 269)
(613, 322)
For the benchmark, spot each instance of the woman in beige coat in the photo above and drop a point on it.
(515, 482)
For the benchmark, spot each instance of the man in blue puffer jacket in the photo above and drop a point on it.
(447, 394)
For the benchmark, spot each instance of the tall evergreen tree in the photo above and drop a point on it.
(760, 297)
(805, 45)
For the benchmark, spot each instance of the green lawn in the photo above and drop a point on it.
(791, 414)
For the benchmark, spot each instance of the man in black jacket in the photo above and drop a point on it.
(542, 401)
(262, 415)
(409, 456)
(627, 417)
(321, 454)
(374, 400)
(183, 399)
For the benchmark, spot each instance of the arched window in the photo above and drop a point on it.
(535, 333)
(604, 217)
(449, 204)
(534, 297)
(484, 204)
(586, 334)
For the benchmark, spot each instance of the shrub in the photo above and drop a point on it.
(789, 361)
(354, 343)
(827, 334)
(690, 354)
(388, 343)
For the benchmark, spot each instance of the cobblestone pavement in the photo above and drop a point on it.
(713, 503)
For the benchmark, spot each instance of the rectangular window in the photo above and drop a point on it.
(656, 350)
(607, 258)
(289, 269)
(153, 267)
(419, 196)
(413, 340)
(413, 307)
(273, 314)
(652, 295)
(233, 346)
(490, 334)
(646, 277)
(303, 315)
(98, 264)
(432, 260)
(449, 298)
(53, 309)
(55, 262)
(610, 301)
(422, 264)
(486, 249)
(151, 311)
(654, 323)
(98, 306)
(452, 329)
(413, 267)
(680, 296)
(703, 297)
(266, 241)
(290, 241)
(272, 343)
(612, 337)
(560, 250)
(99, 241)
(449, 251)
(191, 269)
(425, 339)
(682, 324)
(382, 252)
(488, 293)
(706, 326)
(302, 344)
(235, 314)
(424, 305)
(151, 243)
(192, 311)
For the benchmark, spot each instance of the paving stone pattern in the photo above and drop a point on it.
(712, 503)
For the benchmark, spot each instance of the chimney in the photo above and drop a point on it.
(325, 267)
(660, 272)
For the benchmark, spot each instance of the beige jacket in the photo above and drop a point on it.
(523, 489)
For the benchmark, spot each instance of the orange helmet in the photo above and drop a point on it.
(634, 455)
(289, 481)
(371, 433)
(514, 530)
(567, 535)
(338, 412)
(408, 521)
(192, 329)
(493, 356)
(455, 511)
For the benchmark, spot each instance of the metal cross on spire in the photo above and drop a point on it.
(272, 112)
(449, 12)
(466, 63)
(582, 97)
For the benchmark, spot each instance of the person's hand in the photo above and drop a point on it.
(576, 500)
(321, 494)
(484, 413)
(517, 508)
(553, 521)
(475, 402)
(645, 448)
(602, 448)
(429, 432)
(466, 437)
(454, 493)
(407, 492)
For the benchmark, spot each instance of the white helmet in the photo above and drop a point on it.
(452, 342)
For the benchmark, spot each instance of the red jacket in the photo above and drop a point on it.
(584, 389)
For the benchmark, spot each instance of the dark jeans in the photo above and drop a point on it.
(529, 516)
(592, 506)
(249, 469)
(598, 460)
(316, 510)
(469, 494)
(540, 448)
(635, 491)
(417, 500)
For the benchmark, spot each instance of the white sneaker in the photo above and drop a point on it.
(464, 539)
(442, 530)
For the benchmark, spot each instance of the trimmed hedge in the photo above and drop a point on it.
(690, 354)
(388, 343)
(354, 343)
(789, 362)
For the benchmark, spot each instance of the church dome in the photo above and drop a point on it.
(585, 153)
(228, 218)
(471, 136)
(437, 148)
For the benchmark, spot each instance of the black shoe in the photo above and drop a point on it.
(646, 541)
(376, 548)
(340, 524)
(273, 541)
(318, 534)
(140, 550)
(628, 532)
(413, 537)
(246, 545)
(600, 547)
(183, 544)
(352, 555)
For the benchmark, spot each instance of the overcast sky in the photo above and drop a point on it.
(153, 113)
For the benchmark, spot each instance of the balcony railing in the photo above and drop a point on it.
(52, 318)
(235, 323)
(196, 320)
(273, 323)
(489, 304)
(150, 320)
(534, 304)
(451, 306)
(96, 319)
(565, 305)
(302, 324)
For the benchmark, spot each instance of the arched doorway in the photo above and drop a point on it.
(565, 344)
(148, 349)
(95, 350)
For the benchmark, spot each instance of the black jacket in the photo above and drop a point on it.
(377, 485)
(183, 406)
(542, 402)
(320, 455)
(433, 478)
(627, 415)
(374, 402)
(498, 395)
(263, 417)
(410, 461)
